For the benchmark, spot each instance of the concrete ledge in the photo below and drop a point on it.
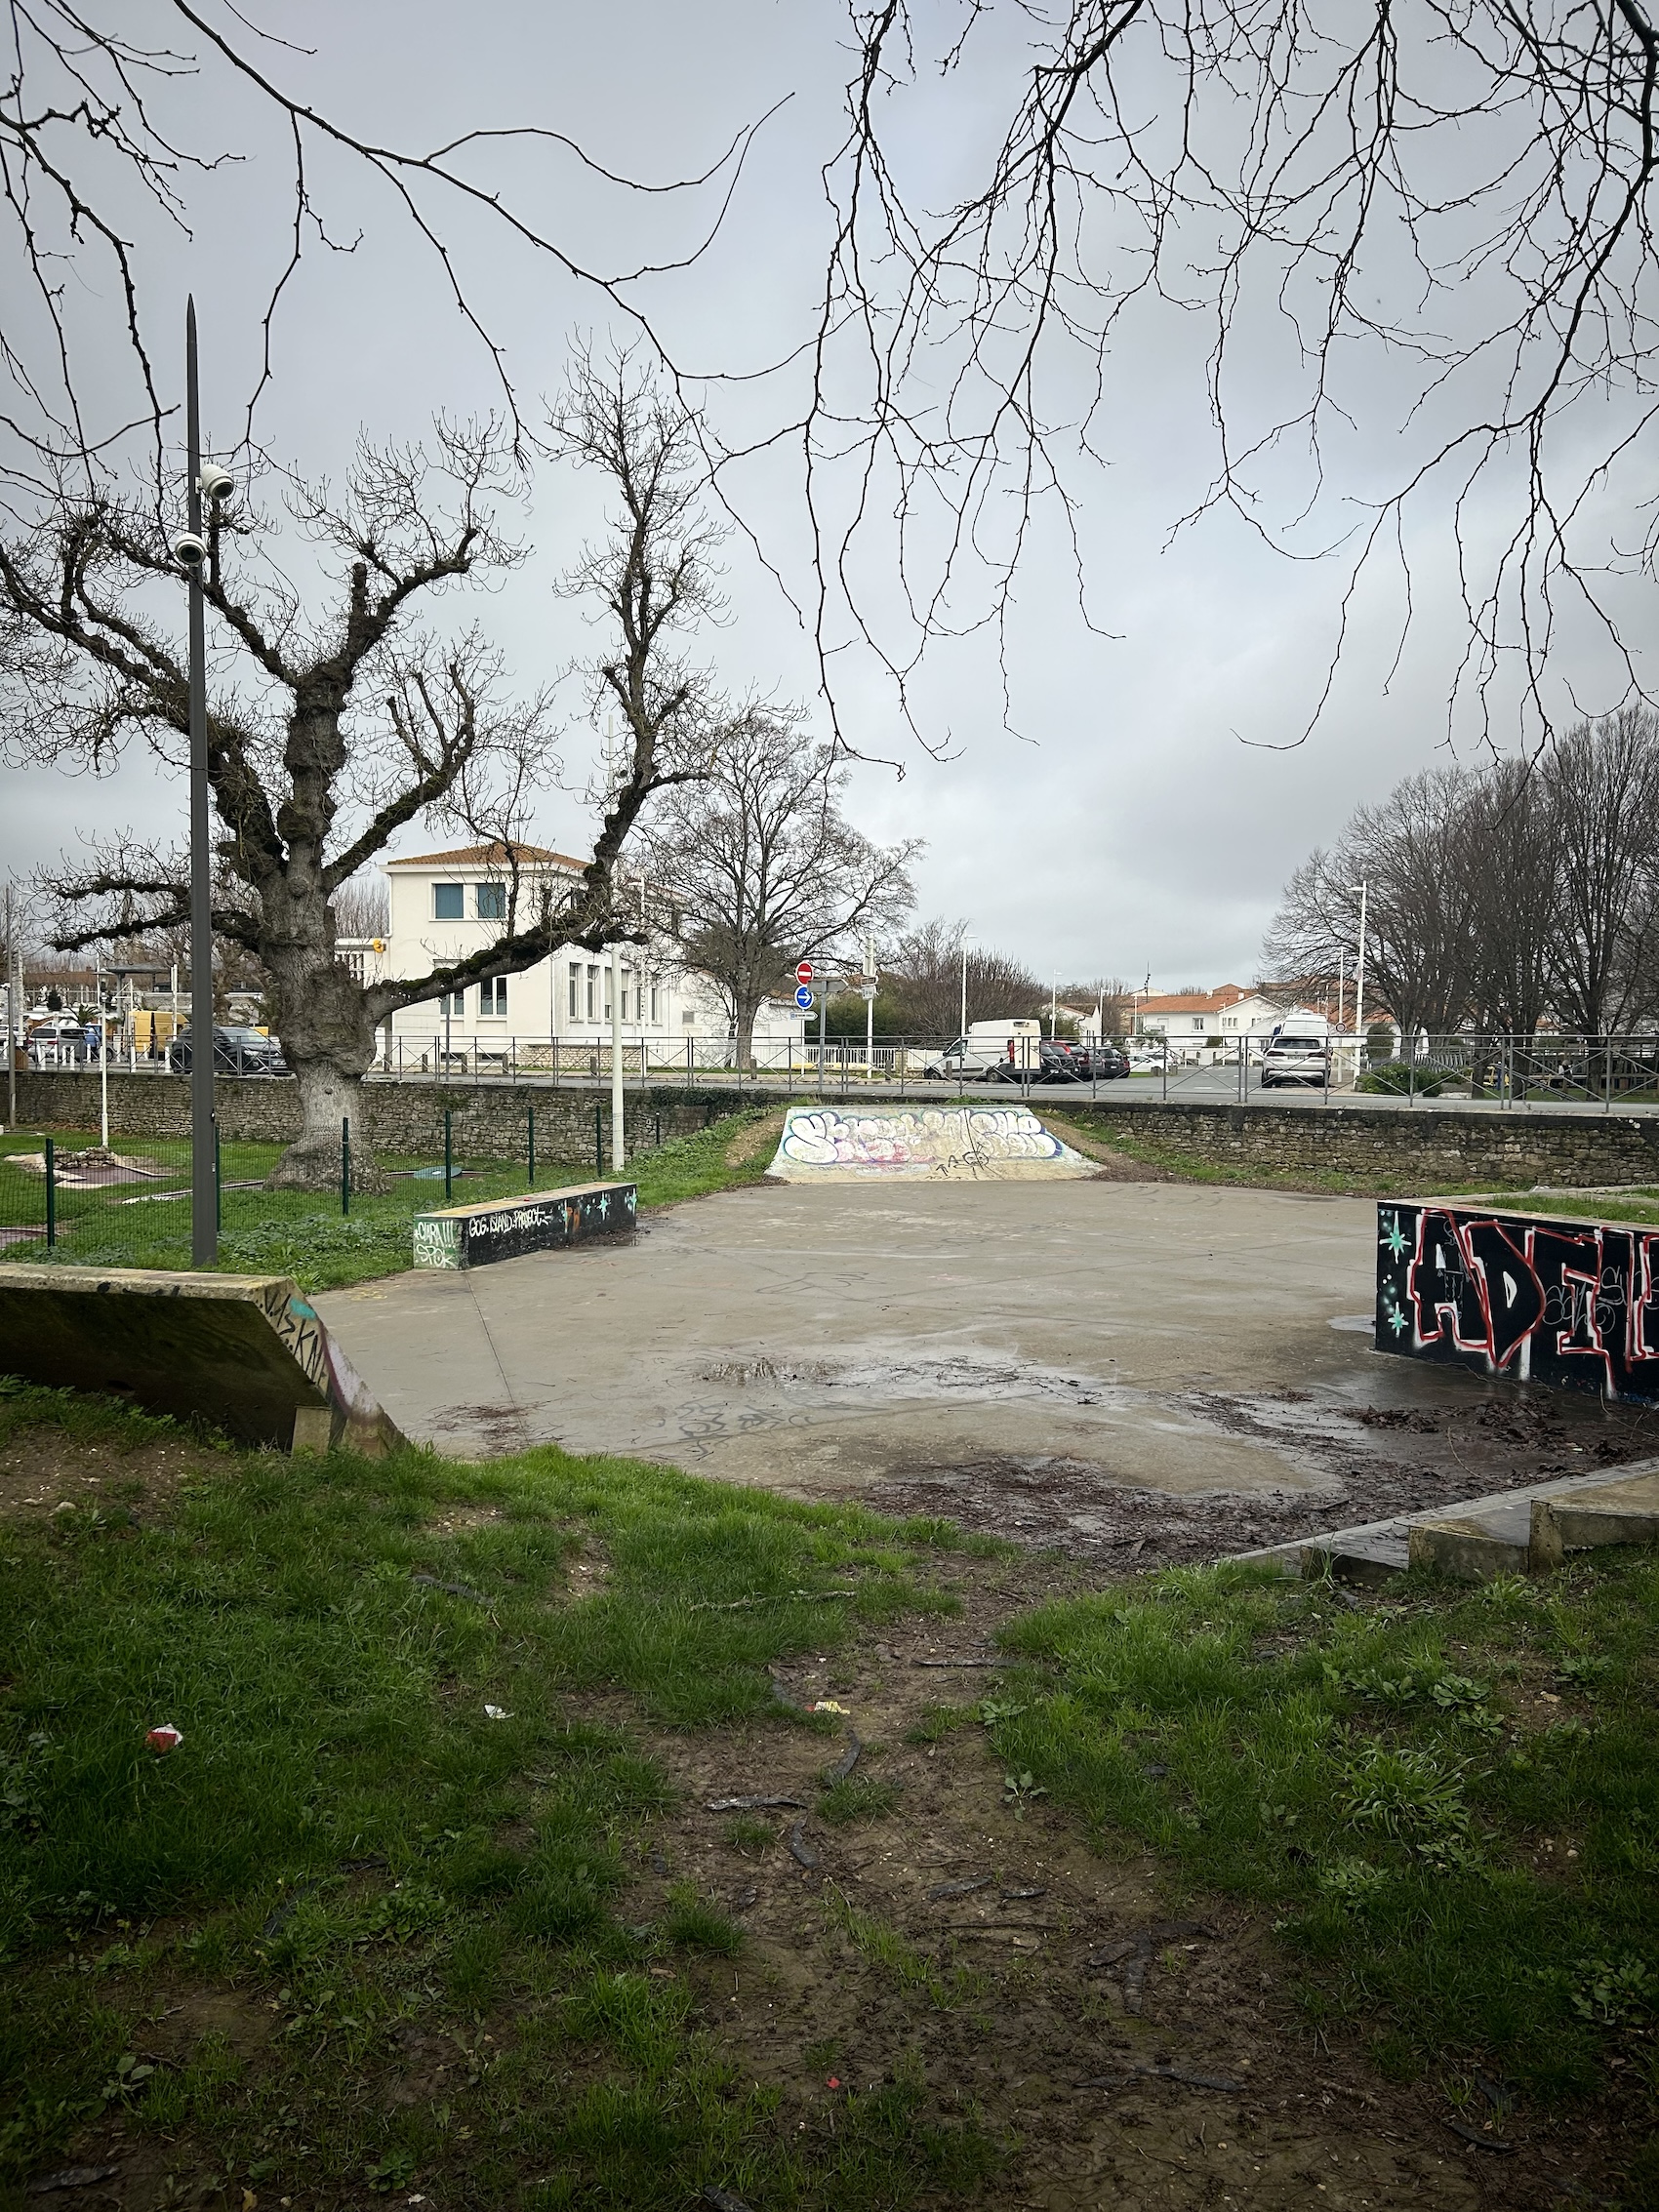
(246, 1353)
(1625, 1513)
(1465, 1549)
(1528, 1531)
(505, 1228)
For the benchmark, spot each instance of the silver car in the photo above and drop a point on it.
(1292, 1058)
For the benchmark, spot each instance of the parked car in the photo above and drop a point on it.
(1296, 1055)
(1105, 1061)
(235, 1052)
(57, 1041)
(1048, 1060)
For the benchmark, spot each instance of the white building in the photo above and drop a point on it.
(444, 905)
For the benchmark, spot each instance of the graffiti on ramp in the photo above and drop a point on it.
(991, 1143)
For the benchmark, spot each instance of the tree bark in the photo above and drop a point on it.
(329, 1041)
(743, 1011)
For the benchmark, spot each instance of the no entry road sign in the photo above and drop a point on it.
(803, 997)
(803, 973)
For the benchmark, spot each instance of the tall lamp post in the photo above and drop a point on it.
(190, 550)
(1359, 981)
(964, 1029)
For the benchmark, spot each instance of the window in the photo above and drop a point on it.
(576, 990)
(627, 977)
(489, 902)
(449, 902)
(492, 998)
(656, 1016)
(593, 994)
(454, 1007)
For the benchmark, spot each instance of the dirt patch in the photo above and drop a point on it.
(43, 1471)
(759, 1137)
(460, 1521)
(1132, 2047)
(1114, 1166)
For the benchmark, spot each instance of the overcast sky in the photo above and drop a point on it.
(1135, 822)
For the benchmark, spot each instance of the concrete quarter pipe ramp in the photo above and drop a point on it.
(247, 1353)
(967, 1144)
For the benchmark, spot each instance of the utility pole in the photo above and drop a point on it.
(204, 1211)
(964, 1029)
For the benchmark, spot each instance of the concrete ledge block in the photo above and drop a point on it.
(507, 1229)
(1563, 1525)
(1465, 1551)
(247, 1353)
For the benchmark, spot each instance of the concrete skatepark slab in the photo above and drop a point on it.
(1030, 1357)
(246, 1353)
(968, 1144)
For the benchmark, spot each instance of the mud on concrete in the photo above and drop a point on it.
(1372, 1462)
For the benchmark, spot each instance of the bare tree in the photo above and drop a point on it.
(362, 908)
(327, 736)
(928, 983)
(107, 136)
(765, 867)
(1511, 857)
(1435, 224)
(1410, 852)
(1110, 994)
(1603, 807)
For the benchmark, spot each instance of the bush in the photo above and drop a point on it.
(1398, 1078)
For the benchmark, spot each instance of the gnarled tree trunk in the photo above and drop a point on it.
(329, 1041)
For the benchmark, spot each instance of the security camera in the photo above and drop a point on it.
(216, 483)
(189, 551)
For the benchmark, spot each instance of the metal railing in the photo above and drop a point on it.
(64, 1195)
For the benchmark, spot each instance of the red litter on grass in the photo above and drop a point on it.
(166, 1738)
(833, 2081)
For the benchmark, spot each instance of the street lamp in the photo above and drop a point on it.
(963, 1031)
(190, 551)
(1362, 887)
(870, 982)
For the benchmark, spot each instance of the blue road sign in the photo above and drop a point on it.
(803, 997)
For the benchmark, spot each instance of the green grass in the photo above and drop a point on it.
(304, 1233)
(348, 1851)
(1463, 1879)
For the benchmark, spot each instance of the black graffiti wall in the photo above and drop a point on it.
(1571, 1302)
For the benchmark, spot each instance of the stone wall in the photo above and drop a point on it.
(1428, 1147)
(1432, 1148)
(407, 1118)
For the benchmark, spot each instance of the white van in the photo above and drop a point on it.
(988, 1047)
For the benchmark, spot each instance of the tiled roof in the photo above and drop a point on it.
(1192, 1001)
(485, 856)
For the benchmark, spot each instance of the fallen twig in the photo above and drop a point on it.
(754, 1804)
(771, 1597)
(451, 1590)
(1475, 2136)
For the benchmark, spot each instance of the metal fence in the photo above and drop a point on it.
(906, 1065)
(67, 1196)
